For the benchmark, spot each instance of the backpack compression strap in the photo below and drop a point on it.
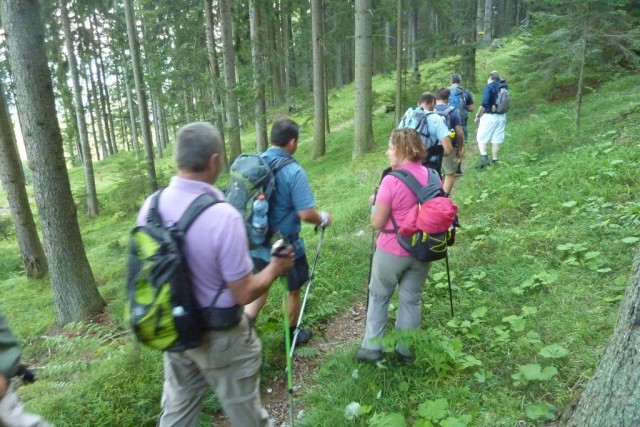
(422, 193)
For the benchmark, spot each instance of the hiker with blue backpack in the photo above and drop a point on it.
(453, 122)
(491, 118)
(462, 100)
(12, 411)
(395, 262)
(431, 128)
(291, 203)
(228, 354)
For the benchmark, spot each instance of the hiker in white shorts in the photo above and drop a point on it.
(489, 123)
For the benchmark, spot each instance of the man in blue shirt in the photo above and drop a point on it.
(291, 203)
(453, 121)
(490, 124)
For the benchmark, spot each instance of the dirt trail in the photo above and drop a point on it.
(339, 332)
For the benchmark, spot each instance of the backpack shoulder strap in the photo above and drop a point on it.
(199, 205)
(280, 162)
(153, 216)
(408, 179)
(423, 193)
(448, 110)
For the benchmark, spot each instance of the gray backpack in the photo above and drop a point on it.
(502, 99)
(251, 176)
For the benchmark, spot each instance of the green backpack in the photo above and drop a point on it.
(161, 309)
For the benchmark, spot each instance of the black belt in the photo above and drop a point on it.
(216, 319)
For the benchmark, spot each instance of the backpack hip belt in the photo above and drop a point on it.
(218, 319)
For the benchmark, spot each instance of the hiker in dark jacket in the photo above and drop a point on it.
(11, 407)
(490, 124)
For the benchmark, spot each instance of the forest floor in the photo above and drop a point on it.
(339, 332)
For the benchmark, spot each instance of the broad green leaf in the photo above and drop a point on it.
(542, 410)
(553, 351)
(548, 372)
(533, 337)
(395, 419)
(590, 255)
(480, 376)
(570, 204)
(616, 162)
(462, 421)
(543, 173)
(479, 312)
(631, 240)
(403, 386)
(528, 311)
(422, 423)
(604, 270)
(469, 361)
(365, 409)
(433, 410)
(530, 372)
(565, 247)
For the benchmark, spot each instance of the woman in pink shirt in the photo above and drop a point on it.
(392, 265)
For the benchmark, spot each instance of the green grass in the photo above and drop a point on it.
(540, 260)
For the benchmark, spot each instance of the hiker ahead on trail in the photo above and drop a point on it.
(11, 407)
(217, 255)
(462, 100)
(452, 120)
(492, 117)
(291, 203)
(431, 128)
(392, 265)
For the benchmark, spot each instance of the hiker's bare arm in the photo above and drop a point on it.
(312, 216)
(380, 215)
(252, 286)
(480, 113)
(446, 145)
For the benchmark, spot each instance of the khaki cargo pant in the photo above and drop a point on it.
(12, 412)
(229, 362)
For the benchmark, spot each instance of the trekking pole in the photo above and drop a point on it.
(306, 292)
(446, 253)
(287, 343)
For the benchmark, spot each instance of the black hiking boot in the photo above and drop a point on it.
(484, 161)
(494, 162)
(459, 169)
(366, 355)
(303, 337)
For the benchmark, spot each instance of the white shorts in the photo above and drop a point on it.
(491, 128)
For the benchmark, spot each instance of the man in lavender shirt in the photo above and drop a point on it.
(218, 258)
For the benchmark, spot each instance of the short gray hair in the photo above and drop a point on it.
(195, 144)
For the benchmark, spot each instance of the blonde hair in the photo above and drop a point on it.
(408, 144)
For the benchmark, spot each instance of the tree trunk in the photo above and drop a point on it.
(230, 80)
(612, 395)
(105, 106)
(12, 177)
(257, 63)
(132, 117)
(143, 108)
(289, 79)
(488, 19)
(413, 41)
(90, 183)
(215, 77)
(480, 20)
(75, 294)
(319, 116)
(95, 111)
(363, 126)
(398, 62)
(469, 50)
